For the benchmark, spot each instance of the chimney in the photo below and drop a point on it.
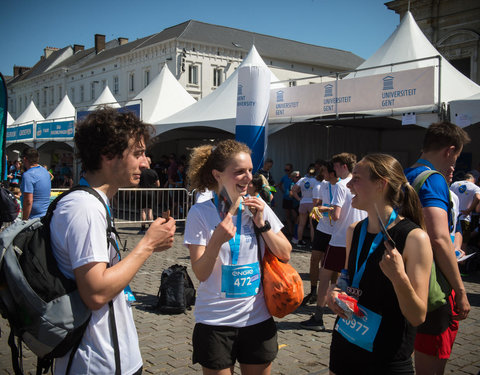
(122, 41)
(19, 70)
(78, 47)
(99, 43)
(47, 51)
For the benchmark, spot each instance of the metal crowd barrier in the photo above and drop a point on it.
(128, 203)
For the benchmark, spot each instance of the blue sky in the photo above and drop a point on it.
(28, 26)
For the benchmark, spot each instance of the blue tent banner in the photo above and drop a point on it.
(20, 133)
(60, 129)
(135, 108)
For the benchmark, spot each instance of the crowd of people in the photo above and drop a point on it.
(374, 230)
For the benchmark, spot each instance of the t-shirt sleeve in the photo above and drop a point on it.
(434, 192)
(274, 221)
(86, 236)
(196, 231)
(339, 195)
(27, 183)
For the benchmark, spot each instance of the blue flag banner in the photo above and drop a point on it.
(252, 110)
(3, 129)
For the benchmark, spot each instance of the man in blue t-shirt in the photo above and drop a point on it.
(35, 186)
(442, 145)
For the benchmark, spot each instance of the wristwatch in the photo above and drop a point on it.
(265, 228)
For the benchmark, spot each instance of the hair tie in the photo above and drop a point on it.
(404, 186)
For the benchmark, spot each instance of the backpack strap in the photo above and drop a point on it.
(110, 241)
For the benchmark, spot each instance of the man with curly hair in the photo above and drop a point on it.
(111, 146)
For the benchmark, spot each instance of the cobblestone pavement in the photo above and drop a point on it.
(165, 340)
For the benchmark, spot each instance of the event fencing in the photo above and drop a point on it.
(128, 203)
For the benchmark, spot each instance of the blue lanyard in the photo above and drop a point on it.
(235, 241)
(376, 242)
(330, 191)
(426, 163)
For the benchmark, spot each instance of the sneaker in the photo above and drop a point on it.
(313, 325)
(294, 240)
(310, 298)
(302, 243)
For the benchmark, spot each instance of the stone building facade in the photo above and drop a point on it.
(452, 26)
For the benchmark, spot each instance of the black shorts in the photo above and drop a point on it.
(219, 347)
(287, 204)
(320, 241)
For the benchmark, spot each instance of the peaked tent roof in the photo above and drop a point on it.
(163, 97)
(10, 119)
(31, 113)
(64, 109)
(106, 97)
(218, 109)
(409, 43)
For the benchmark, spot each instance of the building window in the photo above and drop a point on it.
(462, 65)
(60, 93)
(217, 77)
(131, 82)
(44, 98)
(20, 103)
(82, 94)
(104, 84)
(72, 94)
(193, 74)
(92, 90)
(52, 92)
(146, 78)
(292, 83)
(115, 85)
(37, 102)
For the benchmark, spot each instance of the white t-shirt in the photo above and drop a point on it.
(342, 197)
(211, 306)
(324, 191)
(465, 191)
(307, 185)
(456, 213)
(78, 234)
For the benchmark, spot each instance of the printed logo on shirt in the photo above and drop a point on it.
(462, 189)
(307, 185)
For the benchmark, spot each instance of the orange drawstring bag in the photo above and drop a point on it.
(282, 286)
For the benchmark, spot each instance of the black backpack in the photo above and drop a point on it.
(176, 293)
(9, 207)
(42, 306)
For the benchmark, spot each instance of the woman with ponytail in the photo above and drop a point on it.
(232, 320)
(388, 275)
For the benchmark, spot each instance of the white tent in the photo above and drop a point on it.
(10, 119)
(464, 112)
(31, 113)
(409, 43)
(163, 97)
(64, 109)
(216, 110)
(106, 97)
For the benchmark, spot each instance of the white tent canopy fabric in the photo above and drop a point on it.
(409, 43)
(31, 113)
(468, 107)
(218, 109)
(106, 97)
(10, 119)
(64, 109)
(163, 97)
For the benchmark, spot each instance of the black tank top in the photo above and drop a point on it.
(395, 337)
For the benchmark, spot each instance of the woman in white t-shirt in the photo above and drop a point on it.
(305, 185)
(232, 320)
